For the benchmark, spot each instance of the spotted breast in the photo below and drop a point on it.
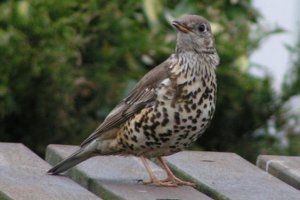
(183, 109)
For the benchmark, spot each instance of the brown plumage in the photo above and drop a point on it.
(169, 108)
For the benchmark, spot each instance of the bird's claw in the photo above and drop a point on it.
(178, 181)
(169, 182)
(159, 183)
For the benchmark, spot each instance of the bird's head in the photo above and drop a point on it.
(194, 34)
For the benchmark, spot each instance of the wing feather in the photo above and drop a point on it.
(142, 96)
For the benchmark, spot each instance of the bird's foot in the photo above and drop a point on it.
(171, 177)
(176, 181)
(169, 182)
(160, 183)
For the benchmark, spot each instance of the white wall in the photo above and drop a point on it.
(273, 53)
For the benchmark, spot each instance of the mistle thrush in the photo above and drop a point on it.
(169, 108)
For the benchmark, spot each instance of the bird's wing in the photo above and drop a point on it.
(141, 96)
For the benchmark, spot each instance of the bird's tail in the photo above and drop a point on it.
(95, 147)
(76, 158)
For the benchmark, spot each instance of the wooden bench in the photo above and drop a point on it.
(217, 175)
(286, 168)
(22, 176)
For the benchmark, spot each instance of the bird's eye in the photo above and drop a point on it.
(202, 28)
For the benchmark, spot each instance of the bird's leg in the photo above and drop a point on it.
(171, 177)
(153, 180)
(148, 168)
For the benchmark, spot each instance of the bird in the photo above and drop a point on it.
(168, 109)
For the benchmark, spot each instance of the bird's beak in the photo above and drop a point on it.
(181, 27)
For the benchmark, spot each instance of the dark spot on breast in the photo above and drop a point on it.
(147, 134)
(120, 141)
(203, 82)
(158, 114)
(194, 94)
(185, 144)
(164, 110)
(134, 138)
(180, 109)
(154, 137)
(166, 115)
(152, 118)
(148, 143)
(199, 112)
(187, 109)
(188, 96)
(138, 124)
(165, 134)
(154, 126)
(164, 122)
(145, 127)
(136, 128)
(200, 100)
(131, 146)
(164, 139)
(177, 117)
(126, 136)
(183, 136)
(194, 106)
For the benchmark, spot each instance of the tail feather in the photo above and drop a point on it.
(96, 147)
(76, 158)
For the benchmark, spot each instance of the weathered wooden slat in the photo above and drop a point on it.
(23, 177)
(228, 176)
(116, 177)
(286, 168)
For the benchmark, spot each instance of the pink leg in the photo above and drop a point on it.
(171, 177)
(153, 180)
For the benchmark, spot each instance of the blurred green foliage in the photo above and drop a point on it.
(65, 64)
